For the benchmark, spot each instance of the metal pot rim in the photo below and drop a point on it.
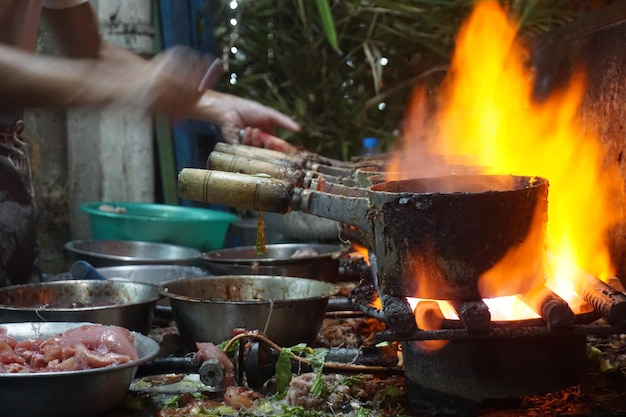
(154, 294)
(328, 290)
(330, 250)
(75, 247)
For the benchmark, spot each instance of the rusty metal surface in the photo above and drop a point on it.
(434, 238)
(464, 372)
(509, 331)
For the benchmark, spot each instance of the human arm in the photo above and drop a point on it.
(233, 114)
(92, 72)
(95, 73)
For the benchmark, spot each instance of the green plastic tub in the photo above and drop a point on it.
(194, 227)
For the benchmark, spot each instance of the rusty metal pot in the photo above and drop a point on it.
(432, 237)
(121, 303)
(87, 393)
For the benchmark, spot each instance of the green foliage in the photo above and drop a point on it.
(315, 358)
(346, 72)
(283, 364)
(326, 15)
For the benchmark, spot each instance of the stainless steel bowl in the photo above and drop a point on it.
(150, 274)
(87, 393)
(101, 253)
(122, 303)
(288, 310)
(305, 260)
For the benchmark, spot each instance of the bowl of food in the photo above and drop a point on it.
(121, 303)
(100, 253)
(319, 261)
(68, 387)
(288, 310)
(195, 227)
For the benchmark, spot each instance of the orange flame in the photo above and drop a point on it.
(487, 117)
(361, 251)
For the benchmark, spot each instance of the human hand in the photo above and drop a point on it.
(246, 121)
(172, 82)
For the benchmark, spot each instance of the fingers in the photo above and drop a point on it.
(284, 121)
(255, 137)
(272, 142)
(250, 136)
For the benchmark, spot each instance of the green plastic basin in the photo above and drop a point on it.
(194, 227)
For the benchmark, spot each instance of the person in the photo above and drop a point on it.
(91, 72)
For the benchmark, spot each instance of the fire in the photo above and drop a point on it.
(487, 117)
(361, 251)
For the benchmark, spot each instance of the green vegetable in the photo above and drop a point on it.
(317, 363)
(231, 350)
(283, 369)
(172, 402)
(283, 364)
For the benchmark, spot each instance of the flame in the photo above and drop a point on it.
(487, 117)
(429, 316)
(361, 251)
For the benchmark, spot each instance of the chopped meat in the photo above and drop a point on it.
(102, 338)
(299, 392)
(7, 355)
(84, 347)
(87, 359)
(238, 397)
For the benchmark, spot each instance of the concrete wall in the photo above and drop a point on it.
(89, 155)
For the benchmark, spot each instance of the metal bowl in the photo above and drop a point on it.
(121, 303)
(150, 274)
(101, 253)
(304, 260)
(288, 310)
(86, 393)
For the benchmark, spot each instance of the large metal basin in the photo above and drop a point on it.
(288, 310)
(87, 393)
(304, 260)
(122, 303)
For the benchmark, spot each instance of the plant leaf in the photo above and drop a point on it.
(323, 7)
(283, 369)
